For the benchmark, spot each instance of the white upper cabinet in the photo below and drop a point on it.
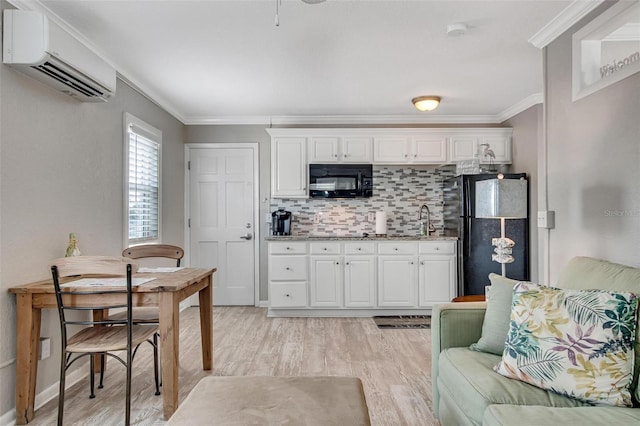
(421, 148)
(289, 167)
(357, 149)
(391, 149)
(430, 149)
(324, 149)
(338, 149)
(462, 147)
(469, 143)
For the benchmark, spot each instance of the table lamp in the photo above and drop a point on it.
(501, 199)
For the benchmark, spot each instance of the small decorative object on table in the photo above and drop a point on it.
(72, 248)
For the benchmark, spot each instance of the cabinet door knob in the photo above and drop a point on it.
(437, 248)
(347, 263)
(324, 248)
(410, 263)
(287, 248)
(335, 155)
(359, 248)
(287, 295)
(422, 263)
(287, 268)
(395, 248)
(337, 263)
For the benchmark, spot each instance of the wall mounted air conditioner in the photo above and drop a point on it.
(43, 50)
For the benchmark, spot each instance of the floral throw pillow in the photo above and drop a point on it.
(575, 343)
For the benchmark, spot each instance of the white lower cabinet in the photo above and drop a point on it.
(436, 275)
(359, 281)
(396, 281)
(325, 281)
(339, 278)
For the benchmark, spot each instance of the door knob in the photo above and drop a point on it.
(248, 236)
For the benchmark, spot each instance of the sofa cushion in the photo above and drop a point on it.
(504, 415)
(577, 343)
(496, 320)
(467, 378)
(587, 273)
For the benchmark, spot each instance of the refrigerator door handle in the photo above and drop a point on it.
(467, 198)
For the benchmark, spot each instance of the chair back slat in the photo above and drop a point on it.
(154, 250)
(98, 265)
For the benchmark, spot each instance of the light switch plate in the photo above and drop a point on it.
(546, 219)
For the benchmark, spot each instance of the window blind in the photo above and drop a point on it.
(144, 187)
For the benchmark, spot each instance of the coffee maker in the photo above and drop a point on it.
(281, 222)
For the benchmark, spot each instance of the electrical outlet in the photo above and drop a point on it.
(316, 218)
(45, 348)
(371, 217)
(267, 217)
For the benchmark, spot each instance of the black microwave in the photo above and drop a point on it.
(340, 180)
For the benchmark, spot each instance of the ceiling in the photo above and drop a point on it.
(337, 61)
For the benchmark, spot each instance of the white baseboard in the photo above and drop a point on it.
(263, 304)
(46, 395)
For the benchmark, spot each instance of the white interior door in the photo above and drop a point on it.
(222, 203)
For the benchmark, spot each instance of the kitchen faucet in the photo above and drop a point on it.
(426, 227)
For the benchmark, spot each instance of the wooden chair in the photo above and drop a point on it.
(149, 315)
(97, 339)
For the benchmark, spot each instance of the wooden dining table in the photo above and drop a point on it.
(166, 291)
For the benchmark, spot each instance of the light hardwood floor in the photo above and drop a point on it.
(394, 366)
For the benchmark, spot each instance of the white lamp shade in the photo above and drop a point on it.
(501, 198)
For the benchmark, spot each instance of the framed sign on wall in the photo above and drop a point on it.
(607, 49)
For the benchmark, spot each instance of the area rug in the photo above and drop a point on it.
(403, 321)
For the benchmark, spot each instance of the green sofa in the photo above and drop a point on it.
(466, 390)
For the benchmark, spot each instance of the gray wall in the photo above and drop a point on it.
(61, 171)
(526, 135)
(593, 164)
(237, 134)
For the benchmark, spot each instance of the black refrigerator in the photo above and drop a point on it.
(474, 235)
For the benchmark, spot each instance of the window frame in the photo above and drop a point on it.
(135, 125)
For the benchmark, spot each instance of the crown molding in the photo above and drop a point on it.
(563, 21)
(289, 120)
(528, 102)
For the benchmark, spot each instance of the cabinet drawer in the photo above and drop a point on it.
(359, 248)
(437, 247)
(324, 248)
(288, 248)
(288, 268)
(288, 295)
(397, 248)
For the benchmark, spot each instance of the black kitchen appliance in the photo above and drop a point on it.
(340, 180)
(281, 222)
(475, 234)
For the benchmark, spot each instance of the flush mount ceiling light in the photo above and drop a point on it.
(426, 103)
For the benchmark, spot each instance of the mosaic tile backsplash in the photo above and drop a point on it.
(397, 190)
